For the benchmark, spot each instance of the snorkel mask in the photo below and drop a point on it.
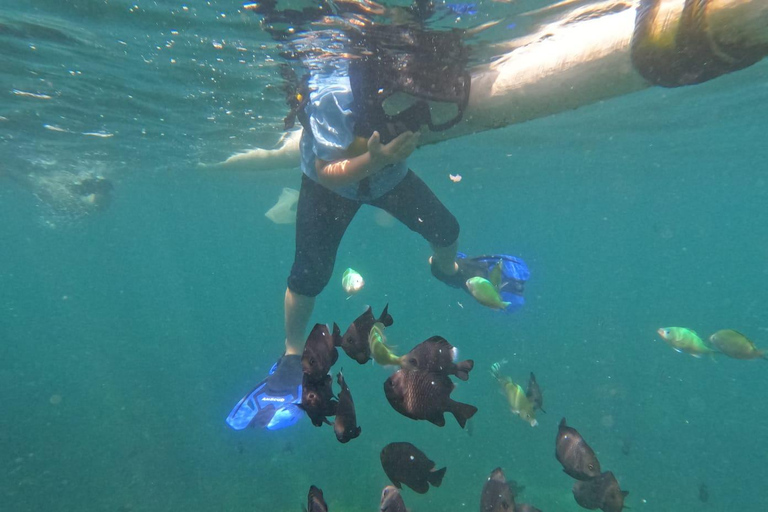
(407, 77)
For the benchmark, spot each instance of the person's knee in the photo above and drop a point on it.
(446, 232)
(308, 281)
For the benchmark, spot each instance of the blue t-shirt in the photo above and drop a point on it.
(332, 124)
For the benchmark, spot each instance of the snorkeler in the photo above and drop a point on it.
(361, 122)
(73, 194)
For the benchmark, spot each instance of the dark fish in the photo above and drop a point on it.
(345, 425)
(588, 493)
(533, 393)
(573, 452)
(355, 340)
(524, 507)
(425, 396)
(703, 493)
(515, 488)
(436, 355)
(626, 446)
(319, 353)
(391, 501)
(613, 496)
(602, 492)
(317, 400)
(315, 500)
(496, 495)
(405, 464)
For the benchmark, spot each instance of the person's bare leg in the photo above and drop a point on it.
(298, 310)
(445, 258)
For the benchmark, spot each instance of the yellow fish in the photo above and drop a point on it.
(735, 345)
(684, 340)
(380, 352)
(518, 402)
(487, 291)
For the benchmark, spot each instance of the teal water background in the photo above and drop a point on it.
(150, 319)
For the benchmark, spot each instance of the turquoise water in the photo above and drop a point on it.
(126, 335)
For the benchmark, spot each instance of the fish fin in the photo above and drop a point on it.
(436, 477)
(437, 339)
(462, 412)
(437, 419)
(463, 368)
(496, 368)
(420, 487)
(336, 335)
(385, 317)
(515, 489)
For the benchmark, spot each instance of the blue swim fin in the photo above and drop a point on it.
(264, 408)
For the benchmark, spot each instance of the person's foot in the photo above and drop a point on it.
(273, 403)
(514, 274)
(466, 268)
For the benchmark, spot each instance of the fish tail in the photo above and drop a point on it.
(385, 318)
(463, 368)
(462, 412)
(496, 369)
(436, 477)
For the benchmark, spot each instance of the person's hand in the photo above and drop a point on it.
(396, 150)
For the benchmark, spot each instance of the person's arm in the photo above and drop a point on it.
(365, 161)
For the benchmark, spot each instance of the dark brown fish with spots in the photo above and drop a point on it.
(425, 396)
(496, 495)
(345, 425)
(315, 500)
(437, 355)
(317, 400)
(576, 456)
(391, 501)
(533, 394)
(405, 464)
(319, 353)
(525, 507)
(354, 342)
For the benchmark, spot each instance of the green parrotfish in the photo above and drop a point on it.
(684, 340)
(488, 291)
(380, 352)
(736, 345)
(518, 402)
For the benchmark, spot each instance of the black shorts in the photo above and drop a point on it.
(322, 217)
